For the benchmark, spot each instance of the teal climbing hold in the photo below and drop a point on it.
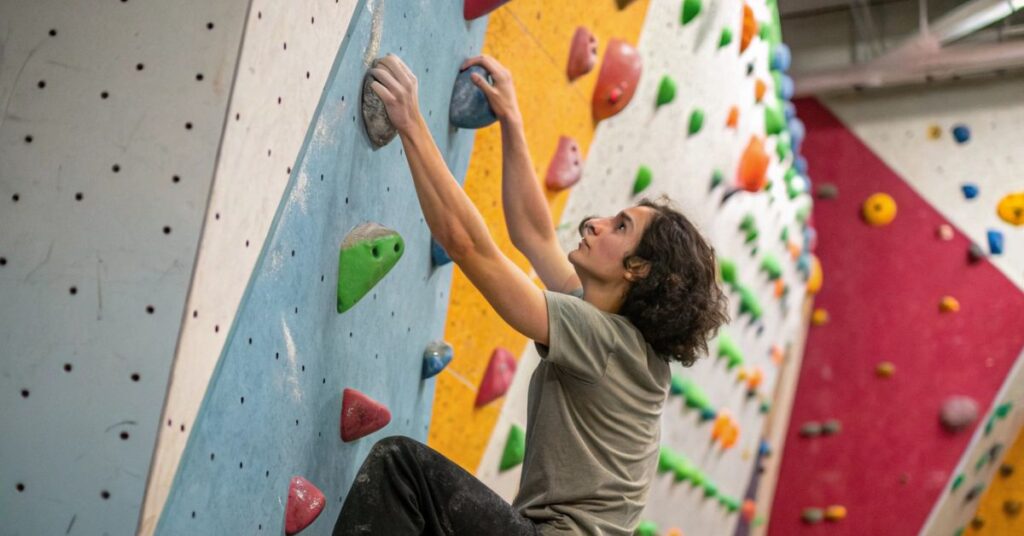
(435, 358)
(691, 8)
(696, 121)
(644, 175)
(666, 90)
(774, 120)
(1003, 409)
(676, 386)
(515, 448)
(725, 38)
(368, 253)
(771, 266)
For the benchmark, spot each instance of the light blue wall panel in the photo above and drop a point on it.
(273, 405)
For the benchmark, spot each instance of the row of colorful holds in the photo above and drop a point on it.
(685, 471)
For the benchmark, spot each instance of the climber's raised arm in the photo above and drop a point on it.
(453, 220)
(527, 217)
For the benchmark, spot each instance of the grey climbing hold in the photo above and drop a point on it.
(831, 427)
(959, 413)
(469, 106)
(827, 190)
(810, 429)
(375, 115)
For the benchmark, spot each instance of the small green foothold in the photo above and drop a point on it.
(782, 148)
(785, 234)
(710, 489)
(728, 270)
(777, 79)
(810, 429)
(803, 213)
(691, 8)
(696, 398)
(957, 482)
(643, 179)
(676, 387)
(666, 90)
(758, 521)
(763, 31)
(727, 348)
(1003, 410)
(515, 448)
(812, 516)
(667, 459)
(368, 253)
(646, 528)
(717, 178)
(696, 120)
(726, 37)
(989, 424)
(771, 266)
(765, 407)
(982, 460)
(774, 120)
(731, 504)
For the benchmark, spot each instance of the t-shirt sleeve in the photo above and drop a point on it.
(581, 337)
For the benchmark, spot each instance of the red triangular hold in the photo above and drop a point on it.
(478, 8)
(498, 377)
(305, 502)
(361, 415)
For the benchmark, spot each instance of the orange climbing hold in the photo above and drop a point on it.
(361, 415)
(747, 511)
(753, 166)
(819, 317)
(949, 304)
(617, 81)
(759, 90)
(725, 429)
(734, 117)
(777, 354)
(754, 379)
(749, 28)
(497, 378)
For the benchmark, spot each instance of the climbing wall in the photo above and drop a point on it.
(699, 169)
(112, 119)
(272, 408)
(941, 324)
(999, 511)
(286, 57)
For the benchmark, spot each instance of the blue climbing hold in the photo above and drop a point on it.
(961, 133)
(435, 358)
(970, 190)
(708, 414)
(995, 242)
(469, 107)
(801, 165)
(764, 449)
(438, 254)
(789, 109)
(782, 58)
(785, 89)
(797, 131)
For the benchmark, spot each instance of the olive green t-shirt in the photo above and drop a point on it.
(593, 425)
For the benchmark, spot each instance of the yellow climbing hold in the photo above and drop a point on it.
(885, 369)
(879, 209)
(816, 278)
(1011, 209)
(949, 304)
(934, 132)
(835, 513)
(819, 317)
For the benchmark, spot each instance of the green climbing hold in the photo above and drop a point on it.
(782, 148)
(725, 38)
(812, 516)
(368, 253)
(667, 459)
(728, 270)
(710, 489)
(515, 448)
(666, 90)
(676, 387)
(957, 482)
(696, 120)
(643, 179)
(685, 470)
(691, 8)
(1003, 410)
(765, 407)
(771, 266)
(717, 178)
(728, 349)
(764, 31)
(784, 235)
(774, 120)
(696, 398)
(646, 528)
(749, 304)
(731, 504)
(803, 213)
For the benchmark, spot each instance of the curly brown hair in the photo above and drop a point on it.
(680, 304)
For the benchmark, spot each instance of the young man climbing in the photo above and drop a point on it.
(639, 291)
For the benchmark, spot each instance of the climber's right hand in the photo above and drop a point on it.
(502, 94)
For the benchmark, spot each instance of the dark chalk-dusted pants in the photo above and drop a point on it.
(405, 487)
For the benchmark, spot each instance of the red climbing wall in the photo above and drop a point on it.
(892, 459)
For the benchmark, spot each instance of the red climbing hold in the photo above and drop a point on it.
(361, 415)
(753, 166)
(305, 502)
(497, 378)
(566, 167)
(582, 54)
(478, 8)
(617, 81)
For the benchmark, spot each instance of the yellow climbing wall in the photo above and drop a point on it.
(1004, 495)
(531, 38)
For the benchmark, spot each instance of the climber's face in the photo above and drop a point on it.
(606, 242)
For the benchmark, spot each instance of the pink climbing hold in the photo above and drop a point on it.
(497, 378)
(361, 415)
(958, 413)
(565, 168)
(582, 53)
(473, 9)
(305, 502)
(617, 81)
